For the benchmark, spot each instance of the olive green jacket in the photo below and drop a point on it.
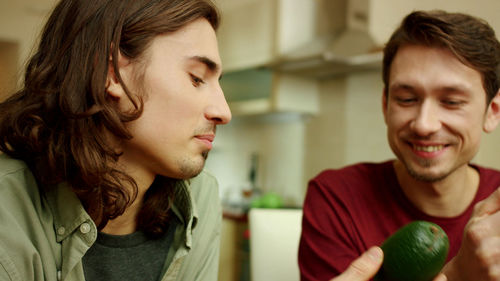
(44, 237)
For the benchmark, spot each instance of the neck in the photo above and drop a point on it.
(448, 197)
(127, 222)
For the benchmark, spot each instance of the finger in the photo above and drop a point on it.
(364, 267)
(483, 228)
(489, 251)
(488, 205)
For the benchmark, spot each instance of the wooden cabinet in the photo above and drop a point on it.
(234, 255)
(8, 68)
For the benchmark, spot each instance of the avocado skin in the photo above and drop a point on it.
(416, 252)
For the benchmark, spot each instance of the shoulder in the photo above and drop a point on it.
(489, 181)
(354, 185)
(488, 174)
(23, 219)
(16, 180)
(19, 193)
(9, 166)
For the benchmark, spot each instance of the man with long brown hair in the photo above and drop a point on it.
(441, 74)
(101, 176)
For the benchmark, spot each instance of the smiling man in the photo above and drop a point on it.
(441, 73)
(104, 146)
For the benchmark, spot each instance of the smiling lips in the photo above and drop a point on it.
(428, 148)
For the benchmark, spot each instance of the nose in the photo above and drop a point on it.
(427, 120)
(218, 110)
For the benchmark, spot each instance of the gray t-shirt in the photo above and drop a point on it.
(127, 257)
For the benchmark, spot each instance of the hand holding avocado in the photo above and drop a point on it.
(479, 256)
(415, 252)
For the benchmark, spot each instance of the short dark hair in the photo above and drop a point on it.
(55, 123)
(469, 38)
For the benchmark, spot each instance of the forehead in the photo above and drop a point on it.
(431, 67)
(195, 39)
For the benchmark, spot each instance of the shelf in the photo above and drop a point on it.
(263, 90)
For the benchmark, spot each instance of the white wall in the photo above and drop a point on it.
(350, 126)
(277, 139)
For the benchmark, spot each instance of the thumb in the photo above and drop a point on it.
(440, 277)
(364, 267)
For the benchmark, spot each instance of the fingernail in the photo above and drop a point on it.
(375, 253)
(441, 277)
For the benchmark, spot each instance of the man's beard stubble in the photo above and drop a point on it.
(190, 168)
(423, 177)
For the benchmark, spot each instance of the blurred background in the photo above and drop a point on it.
(303, 79)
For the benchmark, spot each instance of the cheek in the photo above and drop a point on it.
(474, 131)
(396, 119)
(172, 117)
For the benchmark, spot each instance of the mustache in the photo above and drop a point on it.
(206, 130)
(437, 137)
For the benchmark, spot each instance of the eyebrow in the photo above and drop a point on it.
(401, 86)
(210, 64)
(453, 88)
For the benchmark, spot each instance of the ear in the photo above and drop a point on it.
(113, 86)
(492, 114)
(384, 104)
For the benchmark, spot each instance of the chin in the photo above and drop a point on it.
(189, 168)
(426, 176)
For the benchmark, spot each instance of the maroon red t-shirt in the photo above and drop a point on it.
(347, 211)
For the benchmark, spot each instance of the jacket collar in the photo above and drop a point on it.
(69, 214)
(185, 209)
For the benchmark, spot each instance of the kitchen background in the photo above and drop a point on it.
(303, 79)
(335, 45)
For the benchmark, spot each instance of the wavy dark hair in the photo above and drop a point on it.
(56, 121)
(470, 39)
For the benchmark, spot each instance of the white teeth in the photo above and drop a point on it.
(430, 148)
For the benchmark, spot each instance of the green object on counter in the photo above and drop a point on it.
(269, 200)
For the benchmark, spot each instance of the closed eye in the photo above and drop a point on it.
(452, 103)
(197, 81)
(406, 100)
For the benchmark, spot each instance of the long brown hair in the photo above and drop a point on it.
(55, 123)
(469, 38)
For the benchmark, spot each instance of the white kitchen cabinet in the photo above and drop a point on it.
(321, 38)
(246, 34)
(256, 33)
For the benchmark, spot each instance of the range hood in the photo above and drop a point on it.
(318, 38)
(323, 38)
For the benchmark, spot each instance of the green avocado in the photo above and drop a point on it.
(416, 252)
